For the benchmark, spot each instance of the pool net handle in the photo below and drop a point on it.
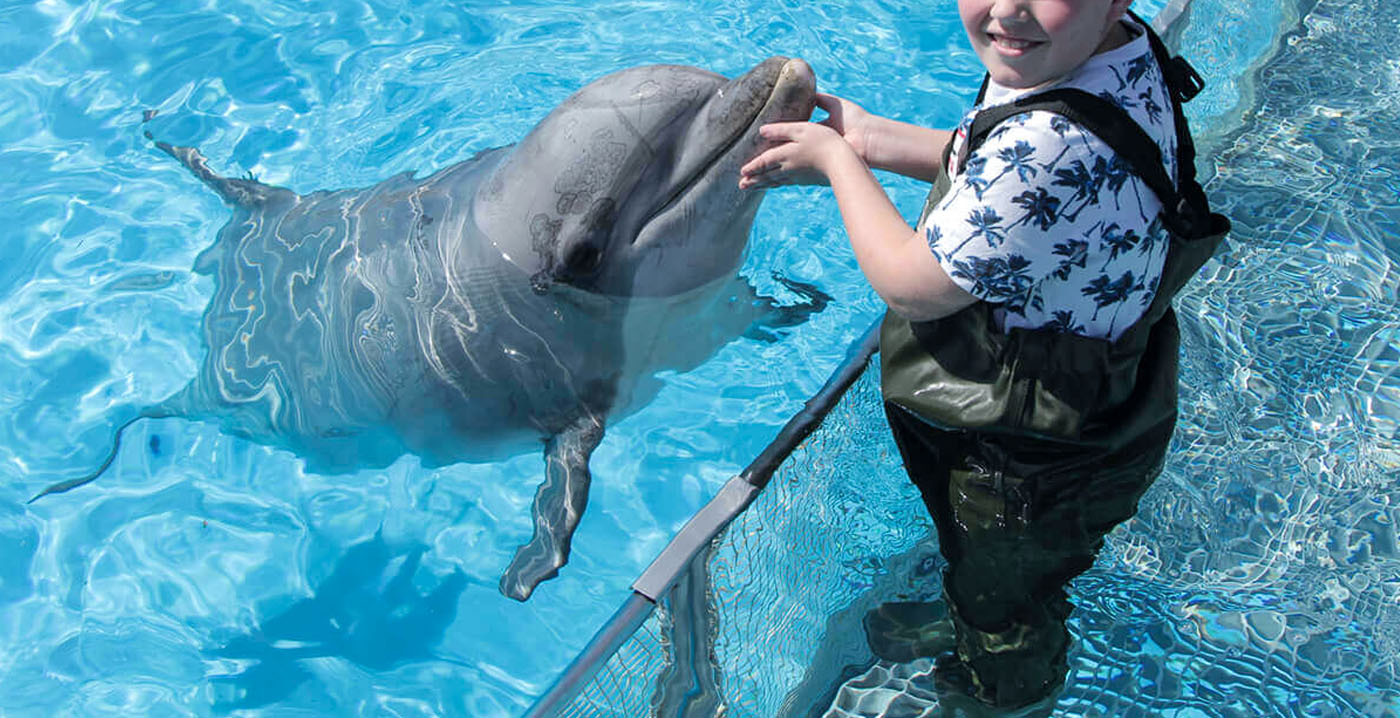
(702, 528)
(741, 490)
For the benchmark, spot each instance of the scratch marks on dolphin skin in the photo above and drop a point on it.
(600, 163)
(646, 90)
(641, 138)
(682, 89)
(572, 202)
(544, 240)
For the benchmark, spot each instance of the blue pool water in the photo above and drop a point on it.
(203, 574)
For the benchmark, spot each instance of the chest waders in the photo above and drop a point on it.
(1030, 445)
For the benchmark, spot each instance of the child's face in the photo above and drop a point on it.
(1027, 43)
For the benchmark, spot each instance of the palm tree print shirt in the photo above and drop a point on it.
(1046, 221)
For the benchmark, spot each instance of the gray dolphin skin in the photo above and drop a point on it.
(517, 298)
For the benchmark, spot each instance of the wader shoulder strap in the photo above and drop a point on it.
(1185, 211)
(1099, 116)
(1184, 203)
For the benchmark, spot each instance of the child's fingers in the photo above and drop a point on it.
(765, 170)
(781, 131)
(830, 103)
(772, 178)
(760, 165)
(756, 176)
(755, 183)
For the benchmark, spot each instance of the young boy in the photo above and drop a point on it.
(1029, 355)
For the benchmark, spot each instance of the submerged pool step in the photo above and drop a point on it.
(888, 690)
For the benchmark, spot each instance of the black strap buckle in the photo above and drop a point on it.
(1185, 220)
(1183, 79)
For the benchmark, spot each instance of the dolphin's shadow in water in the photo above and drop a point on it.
(367, 612)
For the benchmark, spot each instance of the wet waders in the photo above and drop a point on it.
(1029, 446)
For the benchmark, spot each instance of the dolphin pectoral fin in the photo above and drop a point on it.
(559, 504)
(245, 192)
(781, 316)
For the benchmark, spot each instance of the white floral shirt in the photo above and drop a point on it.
(1046, 221)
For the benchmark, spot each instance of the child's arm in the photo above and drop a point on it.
(895, 259)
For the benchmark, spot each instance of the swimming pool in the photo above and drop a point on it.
(200, 574)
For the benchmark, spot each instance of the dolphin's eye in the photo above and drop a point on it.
(584, 258)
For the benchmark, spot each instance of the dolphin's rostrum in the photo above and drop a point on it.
(523, 295)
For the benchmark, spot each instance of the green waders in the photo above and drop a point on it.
(1029, 446)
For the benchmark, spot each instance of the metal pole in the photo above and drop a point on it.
(605, 643)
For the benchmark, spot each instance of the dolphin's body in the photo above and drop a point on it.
(518, 297)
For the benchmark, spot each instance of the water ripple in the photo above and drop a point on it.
(112, 598)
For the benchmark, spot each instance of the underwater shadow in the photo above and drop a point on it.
(367, 612)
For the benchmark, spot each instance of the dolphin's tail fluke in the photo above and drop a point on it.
(154, 412)
(243, 192)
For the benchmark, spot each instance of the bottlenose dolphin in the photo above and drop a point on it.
(520, 296)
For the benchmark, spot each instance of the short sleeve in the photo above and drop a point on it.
(1027, 205)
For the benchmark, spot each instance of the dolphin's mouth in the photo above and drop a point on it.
(789, 86)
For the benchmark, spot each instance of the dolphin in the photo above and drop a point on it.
(521, 296)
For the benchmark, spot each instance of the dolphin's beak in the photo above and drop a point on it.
(779, 89)
(794, 92)
(790, 96)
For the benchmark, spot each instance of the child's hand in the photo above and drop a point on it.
(850, 120)
(799, 154)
